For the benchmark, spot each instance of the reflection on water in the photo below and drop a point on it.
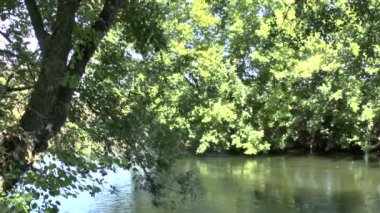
(261, 184)
(104, 202)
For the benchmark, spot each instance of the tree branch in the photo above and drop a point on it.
(100, 28)
(57, 109)
(107, 15)
(37, 22)
(65, 19)
(18, 89)
(7, 52)
(6, 37)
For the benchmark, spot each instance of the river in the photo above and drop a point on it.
(259, 184)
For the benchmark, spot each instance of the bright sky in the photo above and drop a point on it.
(33, 44)
(3, 41)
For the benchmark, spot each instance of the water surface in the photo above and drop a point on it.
(260, 184)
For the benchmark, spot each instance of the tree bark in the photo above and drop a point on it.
(48, 106)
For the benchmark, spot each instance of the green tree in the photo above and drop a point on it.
(47, 78)
(260, 75)
(249, 76)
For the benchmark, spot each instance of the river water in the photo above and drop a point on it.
(260, 184)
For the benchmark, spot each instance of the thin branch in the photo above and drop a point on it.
(37, 22)
(7, 52)
(6, 37)
(18, 89)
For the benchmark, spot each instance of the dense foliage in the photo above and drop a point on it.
(247, 76)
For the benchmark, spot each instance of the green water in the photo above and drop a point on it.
(265, 184)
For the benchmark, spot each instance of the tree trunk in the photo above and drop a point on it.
(48, 106)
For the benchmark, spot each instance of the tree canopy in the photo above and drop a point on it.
(89, 85)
